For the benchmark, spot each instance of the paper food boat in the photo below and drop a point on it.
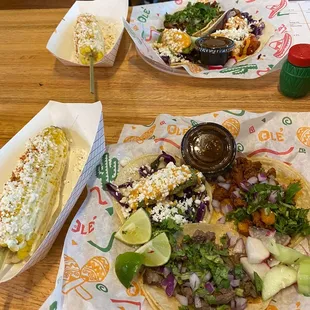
(112, 12)
(83, 125)
(146, 20)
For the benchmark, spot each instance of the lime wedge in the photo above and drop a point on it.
(126, 267)
(136, 230)
(157, 251)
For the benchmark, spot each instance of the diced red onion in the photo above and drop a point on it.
(235, 283)
(273, 197)
(183, 300)
(233, 304)
(236, 193)
(226, 209)
(225, 185)
(272, 182)
(239, 247)
(170, 284)
(253, 180)
(271, 177)
(183, 270)
(240, 303)
(282, 239)
(261, 233)
(244, 186)
(194, 281)
(216, 205)
(262, 177)
(222, 220)
(166, 272)
(232, 239)
(264, 182)
(197, 302)
(230, 277)
(220, 179)
(209, 287)
(208, 277)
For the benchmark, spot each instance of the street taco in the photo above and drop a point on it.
(263, 196)
(249, 33)
(164, 188)
(195, 19)
(202, 273)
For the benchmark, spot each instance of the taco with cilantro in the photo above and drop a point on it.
(205, 271)
(263, 197)
(164, 187)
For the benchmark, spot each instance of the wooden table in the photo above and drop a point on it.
(131, 92)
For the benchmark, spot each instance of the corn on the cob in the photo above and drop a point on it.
(88, 39)
(28, 197)
(159, 185)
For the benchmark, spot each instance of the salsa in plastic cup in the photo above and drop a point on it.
(209, 148)
(214, 50)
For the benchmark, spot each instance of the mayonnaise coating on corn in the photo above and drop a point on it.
(30, 194)
(88, 39)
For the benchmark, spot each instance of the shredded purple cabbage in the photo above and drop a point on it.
(125, 185)
(201, 211)
(257, 26)
(144, 171)
(113, 191)
(169, 284)
(167, 159)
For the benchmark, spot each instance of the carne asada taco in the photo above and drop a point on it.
(263, 196)
(164, 187)
(195, 19)
(202, 273)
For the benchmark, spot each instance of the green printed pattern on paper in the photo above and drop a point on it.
(107, 170)
(105, 249)
(241, 113)
(194, 123)
(53, 306)
(243, 69)
(287, 121)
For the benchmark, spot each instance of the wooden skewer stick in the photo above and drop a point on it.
(92, 75)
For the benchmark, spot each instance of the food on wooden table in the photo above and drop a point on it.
(28, 197)
(264, 198)
(88, 39)
(195, 19)
(200, 31)
(248, 33)
(164, 187)
(203, 266)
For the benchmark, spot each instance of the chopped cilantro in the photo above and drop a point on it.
(223, 307)
(238, 271)
(291, 191)
(289, 219)
(258, 282)
(170, 227)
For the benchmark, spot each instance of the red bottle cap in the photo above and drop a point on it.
(299, 55)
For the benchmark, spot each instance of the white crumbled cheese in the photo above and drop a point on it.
(157, 186)
(173, 42)
(164, 210)
(20, 194)
(236, 29)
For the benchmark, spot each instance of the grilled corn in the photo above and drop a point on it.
(30, 194)
(88, 39)
(159, 185)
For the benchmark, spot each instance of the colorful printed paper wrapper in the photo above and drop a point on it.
(146, 20)
(107, 12)
(83, 126)
(86, 277)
